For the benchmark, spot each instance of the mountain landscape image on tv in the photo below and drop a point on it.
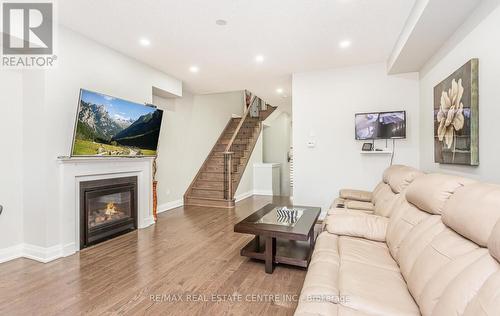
(109, 126)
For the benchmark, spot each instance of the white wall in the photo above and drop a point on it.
(191, 126)
(324, 104)
(277, 138)
(48, 105)
(11, 172)
(481, 42)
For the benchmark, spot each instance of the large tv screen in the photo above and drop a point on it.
(109, 126)
(380, 125)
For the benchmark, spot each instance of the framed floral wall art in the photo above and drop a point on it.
(456, 117)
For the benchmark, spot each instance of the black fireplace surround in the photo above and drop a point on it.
(108, 208)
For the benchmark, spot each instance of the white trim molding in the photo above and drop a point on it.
(263, 192)
(11, 253)
(170, 205)
(243, 196)
(37, 253)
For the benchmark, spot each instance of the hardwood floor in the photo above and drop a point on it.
(191, 253)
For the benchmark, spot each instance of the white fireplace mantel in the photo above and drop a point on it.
(72, 171)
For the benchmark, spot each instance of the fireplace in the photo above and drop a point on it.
(108, 208)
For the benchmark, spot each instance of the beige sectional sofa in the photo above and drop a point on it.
(437, 254)
(394, 181)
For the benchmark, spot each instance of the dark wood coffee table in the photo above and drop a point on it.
(278, 243)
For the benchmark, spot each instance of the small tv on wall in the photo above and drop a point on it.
(110, 126)
(380, 125)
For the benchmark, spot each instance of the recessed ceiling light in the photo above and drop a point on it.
(279, 90)
(194, 69)
(144, 41)
(345, 44)
(259, 58)
(221, 22)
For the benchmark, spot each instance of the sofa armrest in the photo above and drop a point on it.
(360, 205)
(356, 195)
(366, 226)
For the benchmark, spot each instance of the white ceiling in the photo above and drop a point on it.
(293, 35)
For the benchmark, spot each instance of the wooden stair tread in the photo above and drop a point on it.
(207, 189)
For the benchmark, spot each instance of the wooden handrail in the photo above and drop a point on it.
(243, 118)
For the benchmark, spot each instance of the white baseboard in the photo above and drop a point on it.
(11, 253)
(243, 196)
(263, 192)
(42, 254)
(37, 253)
(170, 205)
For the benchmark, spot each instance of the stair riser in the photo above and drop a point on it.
(235, 147)
(220, 160)
(207, 194)
(213, 185)
(243, 141)
(242, 131)
(213, 176)
(217, 167)
(208, 203)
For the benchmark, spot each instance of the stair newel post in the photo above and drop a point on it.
(228, 183)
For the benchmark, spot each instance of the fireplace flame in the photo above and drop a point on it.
(111, 209)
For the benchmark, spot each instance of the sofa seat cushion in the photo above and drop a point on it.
(367, 252)
(322, 275)
(320, 294)
(340, 269)
(359, 205)
(373, 290)
(314, 308)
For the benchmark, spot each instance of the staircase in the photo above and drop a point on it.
(219, 176)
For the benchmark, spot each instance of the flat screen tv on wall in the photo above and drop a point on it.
(109, 126)
(380, 125)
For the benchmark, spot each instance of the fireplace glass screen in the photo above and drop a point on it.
(109, 208)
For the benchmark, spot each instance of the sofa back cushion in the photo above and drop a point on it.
(494, 242)
(389, 171)
(376, 194)
(487, 300)
(385, 201)
(438, 263)
(400, 178)
(473, 210)
(471, 286)
(443, 259)
(404, 218)
(475, 291)
(431, 192)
